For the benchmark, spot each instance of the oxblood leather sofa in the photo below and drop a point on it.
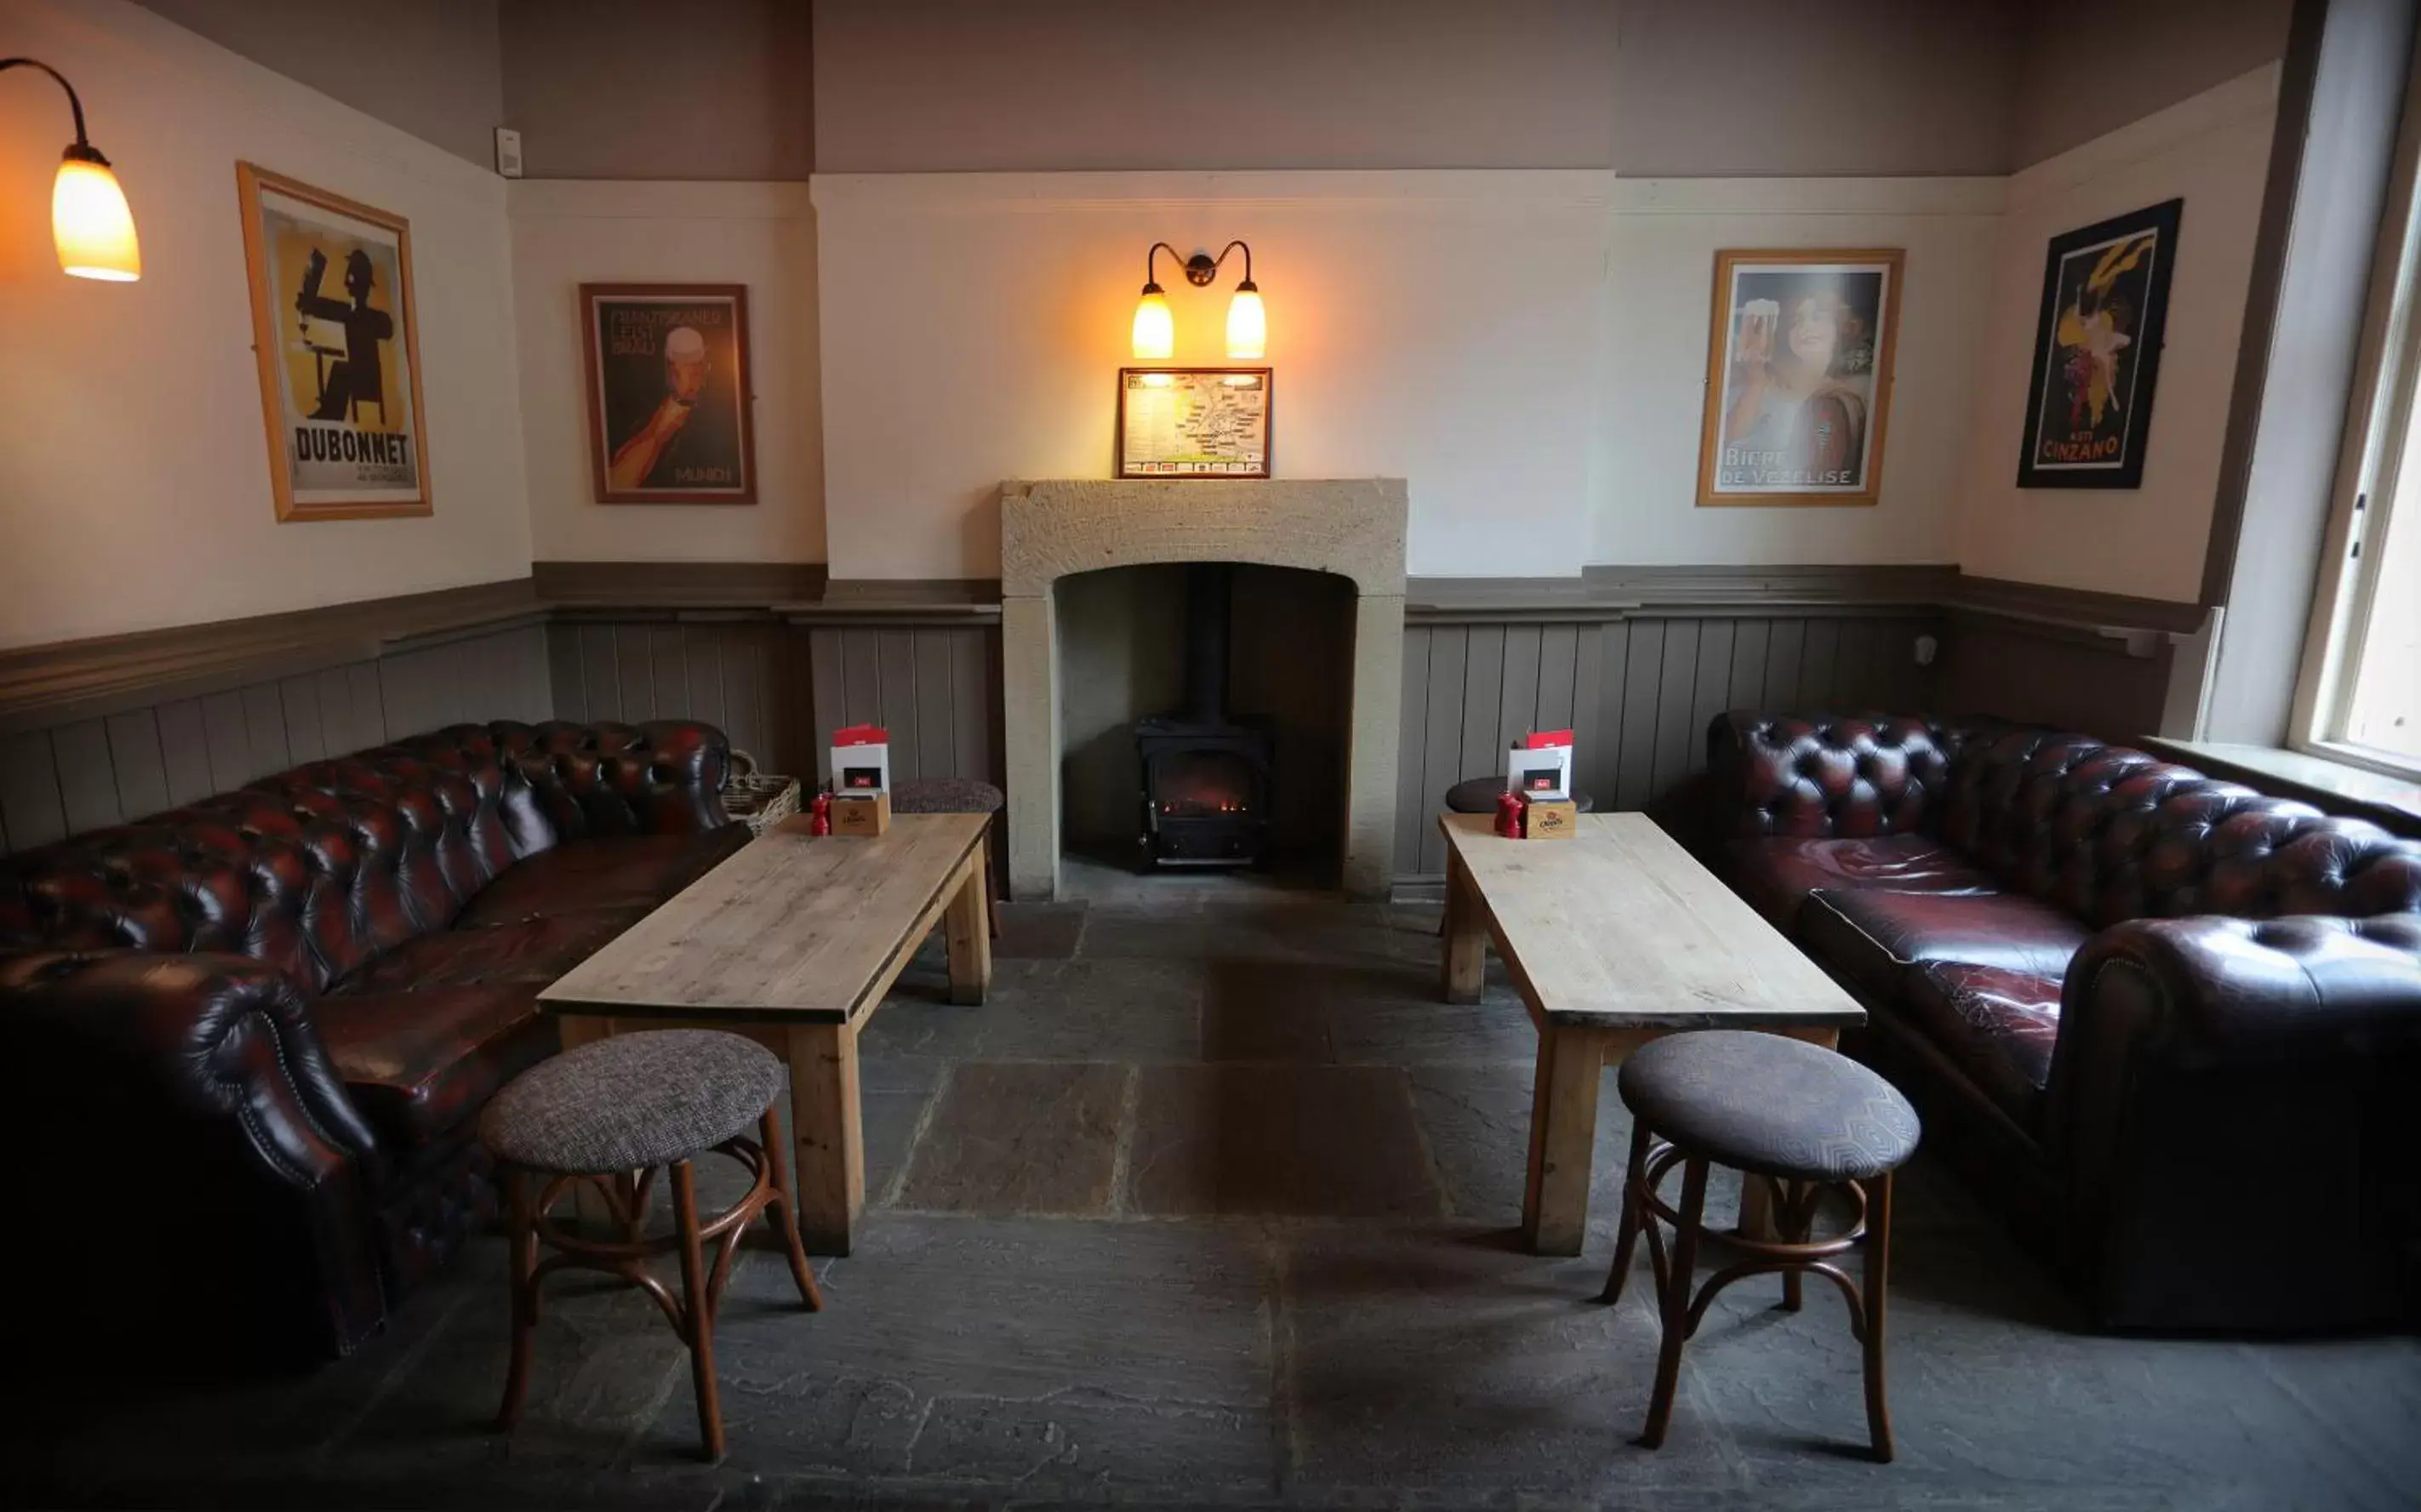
(252, 1034)
(2169, 1025)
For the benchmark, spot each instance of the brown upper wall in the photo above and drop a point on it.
(428, 67)
(2088, 67)
(754, 89)
(1787, 88)
(974, 84)
(647, 89)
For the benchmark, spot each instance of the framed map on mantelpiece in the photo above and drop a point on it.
(1193, 422)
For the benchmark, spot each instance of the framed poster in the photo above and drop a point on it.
(669, 401)
(336, 335)
(2105, 304)
(1799, 376)
(1193, 422)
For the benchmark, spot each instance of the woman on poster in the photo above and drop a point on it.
(1799, 409)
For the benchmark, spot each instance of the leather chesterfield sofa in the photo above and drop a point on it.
(252, 1035)
(2169, 1026)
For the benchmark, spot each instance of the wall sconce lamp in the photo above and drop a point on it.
(90, 225)
(1155, 327)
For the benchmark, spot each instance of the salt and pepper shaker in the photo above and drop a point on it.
(1509, 807)
(819, 814)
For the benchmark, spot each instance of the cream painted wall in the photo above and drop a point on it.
(567, 233)
(2212, 150)
(1527, 348)
(1655, 311)
(133, 464)
(1436, 326)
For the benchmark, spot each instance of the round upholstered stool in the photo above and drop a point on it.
(1478, 795)
(609, 1114)
(1790, 1114)
(960, 795)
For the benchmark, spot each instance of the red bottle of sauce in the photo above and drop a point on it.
(1511, 810)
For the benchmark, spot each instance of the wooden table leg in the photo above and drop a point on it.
(1466, 946)
(824, 1129)
(1563, 1139)
(967, 923)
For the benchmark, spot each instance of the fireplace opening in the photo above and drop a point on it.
(1206, 773)
(1203, 718)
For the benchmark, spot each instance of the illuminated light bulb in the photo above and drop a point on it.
(91, 225)
(1248, 324)
(1155, 327)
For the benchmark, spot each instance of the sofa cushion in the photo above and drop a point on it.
(530, 952)
(1997, 1026)
(419, 1064)
(1777, 875)
(1870, 936)
(625, 871)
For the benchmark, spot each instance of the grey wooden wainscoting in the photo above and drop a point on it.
(1637, 691)
(118, 763)
(2105, 663)
(778, 685)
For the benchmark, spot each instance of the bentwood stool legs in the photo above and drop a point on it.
(1802, 1120)
(609, 1114)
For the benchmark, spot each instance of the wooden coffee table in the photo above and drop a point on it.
(1613, 938)
(793, 942)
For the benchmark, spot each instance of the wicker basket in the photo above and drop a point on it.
(756, 799)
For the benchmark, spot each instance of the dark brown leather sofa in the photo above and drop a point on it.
(2170, 1026)
(251, 1035)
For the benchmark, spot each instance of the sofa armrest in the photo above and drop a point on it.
(2209, 991)
(1825, 776)
(202, 1077)
(2207, 1062)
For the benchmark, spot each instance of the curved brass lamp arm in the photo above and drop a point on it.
(1248, 260)
(1150, 265)
(82, 148)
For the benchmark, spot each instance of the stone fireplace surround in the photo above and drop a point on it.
(1054, 528)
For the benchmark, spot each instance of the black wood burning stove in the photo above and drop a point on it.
(1206, 775)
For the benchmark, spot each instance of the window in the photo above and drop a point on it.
(2360, 696)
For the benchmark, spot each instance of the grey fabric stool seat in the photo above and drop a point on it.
(1799, 1118)
(1478, 795)
(609, 1114)
(961, 795)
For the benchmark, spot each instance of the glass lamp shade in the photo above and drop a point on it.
(1155, 327)
(1249, 325)
(91, 225)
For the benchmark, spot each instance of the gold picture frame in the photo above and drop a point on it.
(1799, 376)
(324, 361)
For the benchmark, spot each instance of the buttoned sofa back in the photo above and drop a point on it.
(317, 868)
(2102, 832)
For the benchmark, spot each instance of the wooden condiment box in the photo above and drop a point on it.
(1551, 819)
(862, 814)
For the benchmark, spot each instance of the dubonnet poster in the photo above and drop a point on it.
(1798, 361)
(338, 350)
(668, 392)
(2105, 302)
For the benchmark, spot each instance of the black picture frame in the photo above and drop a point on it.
(2114, 273)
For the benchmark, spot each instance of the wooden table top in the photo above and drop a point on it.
(1620, 927)
(793, 929)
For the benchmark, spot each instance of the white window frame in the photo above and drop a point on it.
(2388, 385)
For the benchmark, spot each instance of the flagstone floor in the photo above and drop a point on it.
(1211, 1205)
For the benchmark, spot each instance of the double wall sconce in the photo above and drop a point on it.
(1155, 327)
(90, 225)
